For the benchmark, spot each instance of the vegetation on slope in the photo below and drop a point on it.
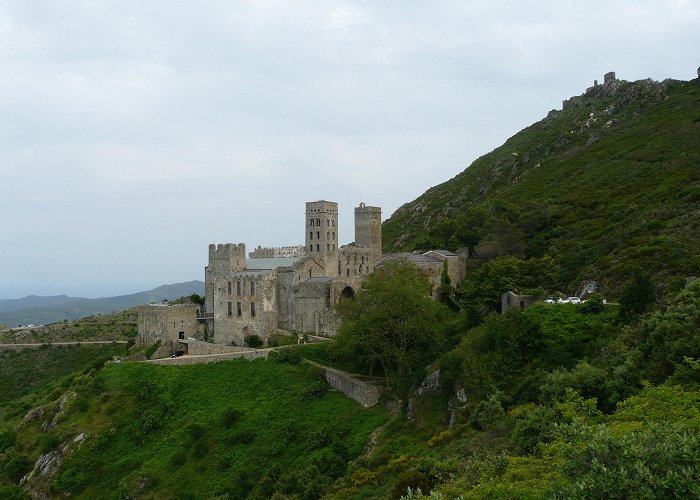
(115, 326)
(561, 402)
(601, 187)
(235, 429)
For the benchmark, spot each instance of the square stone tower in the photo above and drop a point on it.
(368, 230)
(322, 234)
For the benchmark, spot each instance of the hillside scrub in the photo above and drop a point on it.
(262, 427)
(600, 188)
(393, 322)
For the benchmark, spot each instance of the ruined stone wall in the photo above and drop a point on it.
(365, 394)
(456, 266)
(167, 323)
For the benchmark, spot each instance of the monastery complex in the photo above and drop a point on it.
(292, 288)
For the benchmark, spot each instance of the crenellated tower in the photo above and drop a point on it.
(224, 259)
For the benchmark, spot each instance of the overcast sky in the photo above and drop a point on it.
(135, 133)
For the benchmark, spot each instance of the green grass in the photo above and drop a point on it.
(29, 370)
(167, 430)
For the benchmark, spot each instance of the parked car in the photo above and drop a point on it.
(177, 354)
(574, 300)
(550, 300)
(562, 301)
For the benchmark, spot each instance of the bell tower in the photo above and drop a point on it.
(321, 238)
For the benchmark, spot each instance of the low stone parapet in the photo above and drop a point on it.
(198, 347)
(364, 393)
(249, 354)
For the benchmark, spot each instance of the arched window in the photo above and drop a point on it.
(318, 247)
(328, 235)
(309, 273)
(333, 234)
(311, 248)
(347, 272)
(328, 247)
(318, 235)
(311, 223)
(311, 235)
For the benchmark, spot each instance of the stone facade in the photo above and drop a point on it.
(510, 299)
(289, 288)
(277, 252)
(169, 324)
(259, 295)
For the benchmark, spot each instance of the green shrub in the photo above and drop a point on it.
(593, 305)
(13, 492)
(316, 390)
(7, 440)
(49, 442)
(200, 448)
(253, 341)
(151, 349)
(14, 465)
(231, 416)
(82, 405)
(287, 355)
(196, 431)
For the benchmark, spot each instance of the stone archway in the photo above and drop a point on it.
(347, 293)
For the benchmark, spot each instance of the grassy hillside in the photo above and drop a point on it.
(601, 187)
(28, 370)
(239, 428)
(116, 326)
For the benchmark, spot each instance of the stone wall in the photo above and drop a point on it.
(510, 299)
(250, 354)
(198, 348)
(167, 323)
(365, 394)
(245, 303)
(368, 230)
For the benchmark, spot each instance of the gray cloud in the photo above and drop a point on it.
(134, 133)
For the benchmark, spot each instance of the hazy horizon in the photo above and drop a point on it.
(137, 133)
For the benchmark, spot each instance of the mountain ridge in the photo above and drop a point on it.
(61, 307)
(607, 181)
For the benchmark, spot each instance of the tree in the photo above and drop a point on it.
(393, 321)
(639, 293)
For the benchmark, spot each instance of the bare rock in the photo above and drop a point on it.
(34, 414)
(431, 383)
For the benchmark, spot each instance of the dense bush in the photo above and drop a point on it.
(253, 341)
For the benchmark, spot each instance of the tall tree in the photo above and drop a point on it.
(393, 321)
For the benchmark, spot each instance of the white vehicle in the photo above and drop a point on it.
(574, 300)
(550, 300)
(562, 301)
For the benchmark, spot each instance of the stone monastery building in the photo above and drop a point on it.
(288, 288)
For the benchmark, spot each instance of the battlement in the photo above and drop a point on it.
(276, 252)
(227, 257)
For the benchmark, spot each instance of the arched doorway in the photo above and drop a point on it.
(347, 293)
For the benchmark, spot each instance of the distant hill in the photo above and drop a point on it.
(609, 184)
(36, 310)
